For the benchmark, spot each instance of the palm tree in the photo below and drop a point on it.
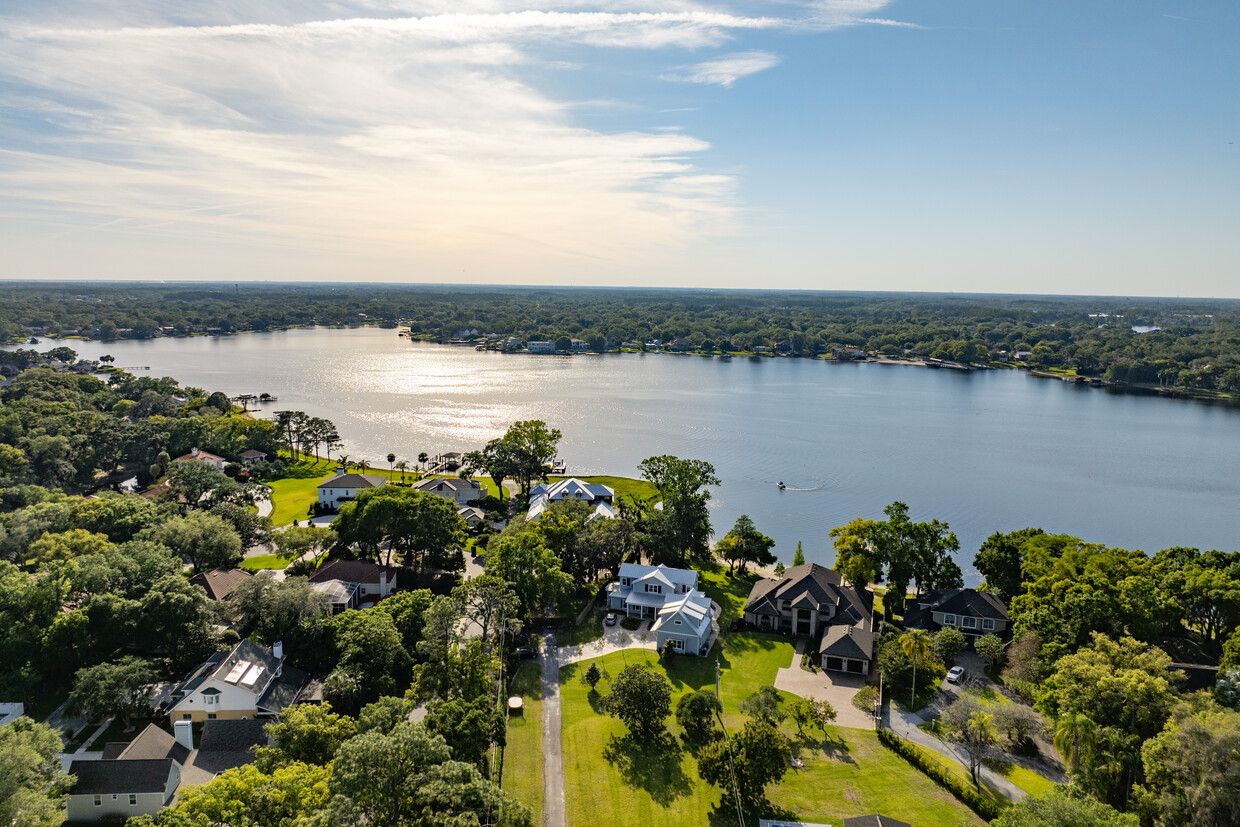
(403, 466)
(423, 458)
(917, 646)
(1075, 737)
(344, 462)
(391, 463)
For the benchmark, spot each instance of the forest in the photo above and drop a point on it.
(1191, 344)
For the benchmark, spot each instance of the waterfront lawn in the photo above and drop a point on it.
(293, 494)
(523, 754)
(610, 780)
(623, 486)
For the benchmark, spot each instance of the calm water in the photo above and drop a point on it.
(986, 451)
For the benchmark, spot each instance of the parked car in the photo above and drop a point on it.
(610, 620)
(955, 674)
(526, 652)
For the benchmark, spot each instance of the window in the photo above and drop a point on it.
(949, 620)
(654, 588)
(210, 716)
(624, 581)
(678, 644)
(185, 716)
(988, 624)
(968, 622)
(98, 801)
(133, 799)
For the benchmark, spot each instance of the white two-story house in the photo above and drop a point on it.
(249, 682)
(341, 488)
(681, 613)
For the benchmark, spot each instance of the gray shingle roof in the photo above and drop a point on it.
(221, 582)
(152, 743)
(874, 821)
(284, 690)
(968, 602)
(354, 481)
(121, 776)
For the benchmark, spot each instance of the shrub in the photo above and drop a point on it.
(865, 698)
(968, 796)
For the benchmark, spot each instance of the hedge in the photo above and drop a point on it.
(968, 796)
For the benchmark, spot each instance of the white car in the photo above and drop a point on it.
(955, 674)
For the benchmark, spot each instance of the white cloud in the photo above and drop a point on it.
(726, 70)
(405, 130)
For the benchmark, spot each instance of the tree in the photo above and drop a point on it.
(407, 610)
(990, 647)
(423, 458)
(1024, 667)
(403, 467)
(370, 648)
(391, 458)
(303, 542)
(759, 754)
(744, 544)
(917, 647)
(999, 560)
(32, 780)
(407, 777)
(252, 529)
(247, 796)
(1075, 738)
(683, 485)
(175, 619)
(798, 559)
(123, 688)
(696, 713)
(469, 726)
(1017, 721)
(194, 479)
(530, 568)
(857, 559)
(422, 528)
(971, 726)
(1192, 769)
(1062, 807)
(766, 704)
(286, 610)
(67, 545)
(948, 643)
(305, 733)
(641, 698)
(206, 540)
(489, 603)
(525, 453)
(592, 676)
(384, 715)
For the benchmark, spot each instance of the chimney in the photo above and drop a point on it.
(193, 452)
(184, 732)
(340, 470)
(277, 650)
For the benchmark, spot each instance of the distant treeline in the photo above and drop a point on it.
(1196, 345)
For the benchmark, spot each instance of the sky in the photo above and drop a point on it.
(1044, 146)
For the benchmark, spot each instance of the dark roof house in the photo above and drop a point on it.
(220, 583)
(813, 600)
(972, 612)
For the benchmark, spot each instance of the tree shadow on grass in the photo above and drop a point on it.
(832, 747)
(723, 814)
(654, 766)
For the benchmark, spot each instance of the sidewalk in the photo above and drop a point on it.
(905, 725)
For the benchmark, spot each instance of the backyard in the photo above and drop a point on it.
(608, 778)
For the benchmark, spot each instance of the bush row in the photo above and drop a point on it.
(968, 796)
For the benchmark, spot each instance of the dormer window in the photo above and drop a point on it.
(624, 581)
(968, 622)
(949, 620)
(654, 588)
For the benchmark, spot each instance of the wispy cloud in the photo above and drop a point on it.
(726, 70)
(406, 128)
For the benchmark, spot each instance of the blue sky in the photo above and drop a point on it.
(975, 145)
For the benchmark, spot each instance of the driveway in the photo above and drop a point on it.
(614, 639)
(554, 812)
(835, 688)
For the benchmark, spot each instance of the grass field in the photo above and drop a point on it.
(292, 495)
(608, 779)
(1027, 780)
(266, 561)
(523, 755)
(624, 486)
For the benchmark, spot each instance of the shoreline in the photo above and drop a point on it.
(1092, 382)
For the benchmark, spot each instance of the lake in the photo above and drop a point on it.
(984, 451)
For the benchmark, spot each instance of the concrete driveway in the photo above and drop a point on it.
(836, 688)
(614, 639)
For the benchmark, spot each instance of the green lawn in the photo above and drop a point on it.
(590, 629)
(1028, 780)
(523, 755)
(624, 486)
(610, 780)
(293, 494)
(266, 561)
